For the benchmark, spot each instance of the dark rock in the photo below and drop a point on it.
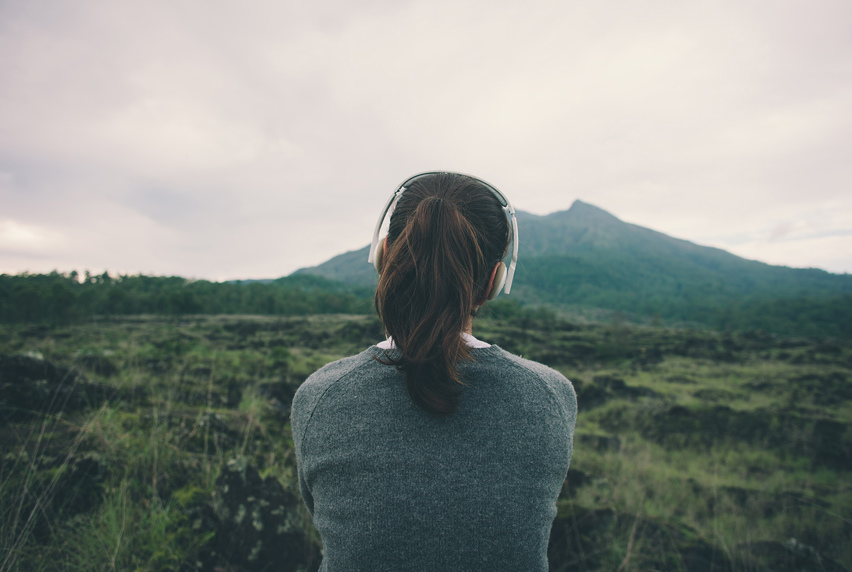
(158, 366)
(279, 394)
(823, 389)
(703, 557)
(789, 343)
(243, 329)
(361, 333)
(789, 502)
(829, 347)
(600, 443)
(576, 540)
(98, 365)
(607, 387)
(620, 389)
(789, 556)
(741, 496)
(290, 325)
(757, 501)
(831, 445)
(312, 339)
(212, 432)
(200, 372)
(217, 336)
(228, 393)
(573, 481)
(30, 386)
(59, 487)
(759, 384)
(80, 487)
(609, 382)
(551, 357)
(594, 539)
(680, 379)
(578, 351)
(234, 393)
(258, 525)
(826, 442)
(713, 394)
(707, 425)
(36, 331)
(590, 396)
(649, 356)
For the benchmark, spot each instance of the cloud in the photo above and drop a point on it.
(211, 140)
(782, 230)
(14, 234)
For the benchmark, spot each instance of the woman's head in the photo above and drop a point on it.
(446, 235)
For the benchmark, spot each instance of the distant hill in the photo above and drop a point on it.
(585, 257)
(350, 268)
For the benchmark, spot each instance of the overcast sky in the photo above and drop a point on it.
(228, 140)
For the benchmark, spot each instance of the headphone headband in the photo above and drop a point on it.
(501, 198)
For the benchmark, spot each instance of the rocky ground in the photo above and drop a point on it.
(145, 444)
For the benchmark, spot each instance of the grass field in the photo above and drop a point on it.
(127, 443)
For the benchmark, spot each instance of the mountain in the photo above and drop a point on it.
(350, 268)
(585, 257)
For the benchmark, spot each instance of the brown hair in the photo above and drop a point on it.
(447, 233)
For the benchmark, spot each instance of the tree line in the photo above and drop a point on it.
(59, 298)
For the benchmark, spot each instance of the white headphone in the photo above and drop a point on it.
(502, 276)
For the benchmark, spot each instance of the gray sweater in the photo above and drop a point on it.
(391, 487)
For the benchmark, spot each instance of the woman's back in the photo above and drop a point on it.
(391, 487)
(439, 454)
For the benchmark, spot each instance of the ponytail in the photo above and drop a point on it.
(445, 236)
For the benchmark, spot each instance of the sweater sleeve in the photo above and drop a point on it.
(307, 398)
(562, 393)
(304, 402)
(566, 399)
(307, 498)
(566, 395)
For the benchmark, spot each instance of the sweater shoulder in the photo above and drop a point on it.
(312, 390)
(555, 383)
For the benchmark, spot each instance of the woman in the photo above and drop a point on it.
(434, 450)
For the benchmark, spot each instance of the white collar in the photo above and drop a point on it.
(469, 340)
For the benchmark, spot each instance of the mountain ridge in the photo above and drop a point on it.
(559, 232)
(585, 257)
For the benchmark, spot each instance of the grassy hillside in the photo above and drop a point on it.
(658, 288)
(145, 443)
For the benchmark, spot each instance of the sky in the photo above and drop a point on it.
(223, 140)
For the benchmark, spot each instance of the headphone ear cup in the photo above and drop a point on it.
(377, 260)
(499, 280)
